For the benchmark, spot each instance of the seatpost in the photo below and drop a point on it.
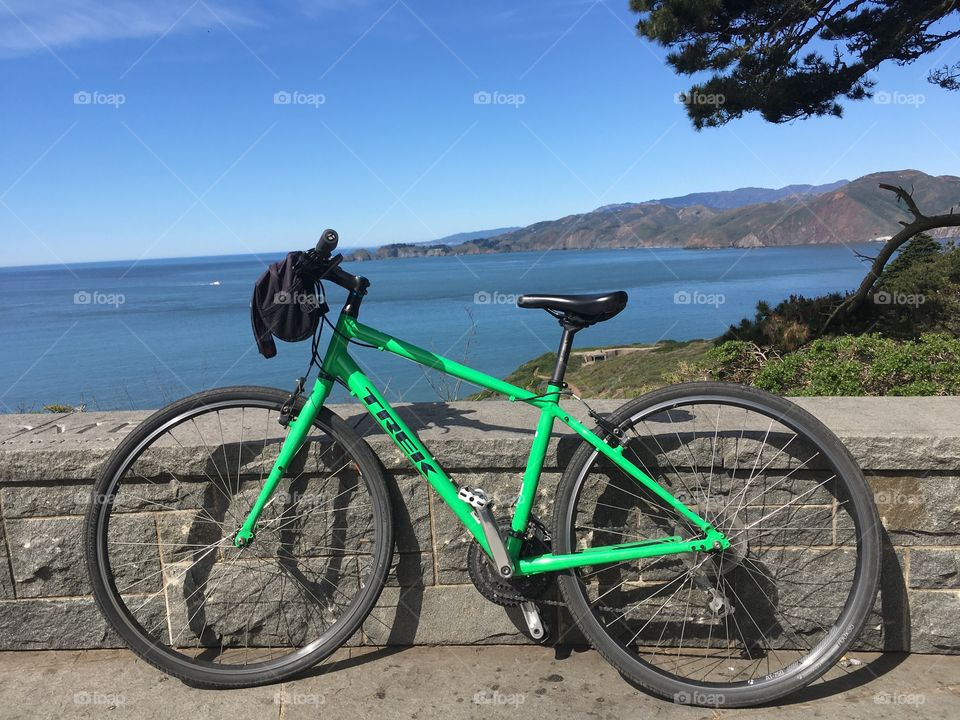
(563, 352)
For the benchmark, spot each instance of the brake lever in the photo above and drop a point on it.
(310, 261)
(332, 264)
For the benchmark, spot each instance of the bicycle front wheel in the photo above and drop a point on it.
(748, 624)
(160, 529)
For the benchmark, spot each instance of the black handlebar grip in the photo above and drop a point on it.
(327, 242)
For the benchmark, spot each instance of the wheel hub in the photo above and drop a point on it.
(727, 521)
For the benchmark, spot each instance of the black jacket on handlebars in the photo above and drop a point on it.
(285, 304)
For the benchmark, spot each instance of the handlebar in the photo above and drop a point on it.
(354, 283)
(321, 266)
(327, 242)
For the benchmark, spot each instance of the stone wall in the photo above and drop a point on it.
(909, 449)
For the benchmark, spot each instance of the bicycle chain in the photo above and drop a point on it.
(561, 603)
(513, 591)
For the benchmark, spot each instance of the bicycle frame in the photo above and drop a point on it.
(339, 365)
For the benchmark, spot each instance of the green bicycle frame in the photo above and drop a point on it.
(339, 365)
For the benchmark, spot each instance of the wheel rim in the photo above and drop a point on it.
(753, 614)
(195, 597)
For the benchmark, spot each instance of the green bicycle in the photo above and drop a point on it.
(717, 544)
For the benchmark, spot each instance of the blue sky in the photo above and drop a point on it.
(135, 130)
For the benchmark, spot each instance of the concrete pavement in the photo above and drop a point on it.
(449, 682)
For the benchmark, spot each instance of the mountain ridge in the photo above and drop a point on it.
(461, 237)
(855, 211)
(731, 199)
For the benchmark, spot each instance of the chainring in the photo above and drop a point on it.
(510, 592)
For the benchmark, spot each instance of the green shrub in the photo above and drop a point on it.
(846, 365)
(918, 292)
(57, 408)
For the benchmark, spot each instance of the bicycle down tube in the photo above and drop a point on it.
(338, 364)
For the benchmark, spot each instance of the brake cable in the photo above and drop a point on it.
(286, 410)
(614, 431)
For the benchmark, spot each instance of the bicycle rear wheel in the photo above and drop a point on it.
(747, 624)
(160, 528)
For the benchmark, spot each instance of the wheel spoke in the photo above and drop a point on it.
(735, 617)
(317, 552)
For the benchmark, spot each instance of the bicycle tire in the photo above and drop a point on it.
(196, 670)
(642, 669)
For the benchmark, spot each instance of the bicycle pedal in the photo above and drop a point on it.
(531, 616)
(475, 498)
(483, 509)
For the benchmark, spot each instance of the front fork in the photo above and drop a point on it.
(298, 430)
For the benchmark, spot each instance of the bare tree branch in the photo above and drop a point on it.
(920, 223)
(906, 197)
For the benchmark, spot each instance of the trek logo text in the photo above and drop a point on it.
(404, 441)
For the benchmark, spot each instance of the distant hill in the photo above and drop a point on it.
(854, 211)
(463, 237)
(367, 253)
(730, 199)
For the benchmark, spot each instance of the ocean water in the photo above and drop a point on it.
(120, 335)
